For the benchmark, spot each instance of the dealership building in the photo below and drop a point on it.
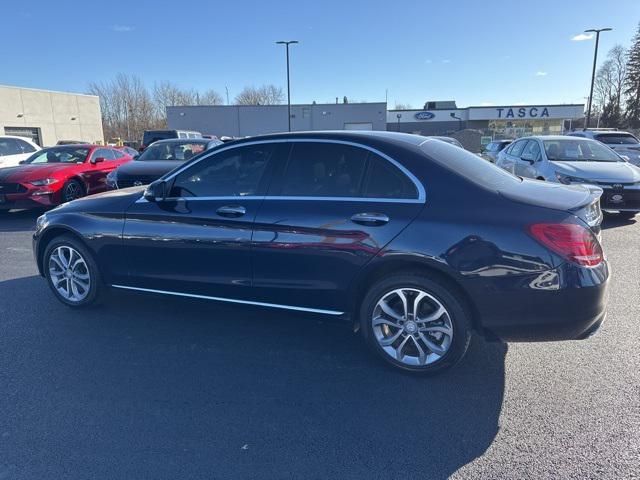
(438, 118)
(47, 117)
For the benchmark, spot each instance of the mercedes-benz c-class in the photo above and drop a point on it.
(414, 242)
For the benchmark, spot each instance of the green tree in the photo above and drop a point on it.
(632, 85)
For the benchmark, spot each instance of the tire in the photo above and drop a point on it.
(72, 190)
(84, 283)
(434, 294)
(627, 215)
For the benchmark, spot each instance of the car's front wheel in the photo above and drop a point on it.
(71, 272)
(415, 323)
(72, 189)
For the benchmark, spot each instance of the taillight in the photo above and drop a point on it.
(574, 242)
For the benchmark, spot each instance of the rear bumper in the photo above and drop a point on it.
(567, 303)
(621, 199)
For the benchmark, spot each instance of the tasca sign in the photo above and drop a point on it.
(526, 112)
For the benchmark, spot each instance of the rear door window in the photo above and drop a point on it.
(324, 170)
(385, 180)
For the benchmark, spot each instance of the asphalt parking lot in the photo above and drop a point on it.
(149, 387)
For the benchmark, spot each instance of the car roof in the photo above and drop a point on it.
(552, 137)
(17, 136)
(356, 136)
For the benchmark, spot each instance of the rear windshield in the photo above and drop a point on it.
(470, 166)
(173, 151)
(59, 155)
(617, 139)
(579, 150)
(155, 135)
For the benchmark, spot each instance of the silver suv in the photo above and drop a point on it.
(623, 143)
(571, 160)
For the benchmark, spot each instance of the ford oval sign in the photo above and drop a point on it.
(424, 115)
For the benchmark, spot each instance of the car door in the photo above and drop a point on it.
(197, 241)
(329, 210)
(95, 171)
(528, 162)
(511, 157)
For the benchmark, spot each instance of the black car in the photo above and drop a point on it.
(412, 241)
(158, 159)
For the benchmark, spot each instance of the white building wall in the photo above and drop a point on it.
(58, 115)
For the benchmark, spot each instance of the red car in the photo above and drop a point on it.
(56, 175)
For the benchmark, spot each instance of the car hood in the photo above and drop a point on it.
(622, 172)
(551, 195)
(27, 172)
(111, 201)
(148, 167)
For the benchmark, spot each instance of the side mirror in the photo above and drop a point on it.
(97, 160)
(21, 162)
(156, 192)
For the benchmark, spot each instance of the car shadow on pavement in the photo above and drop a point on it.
(612, 221)
(19, 220)
(149, 387)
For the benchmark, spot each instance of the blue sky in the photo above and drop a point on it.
(493, 52)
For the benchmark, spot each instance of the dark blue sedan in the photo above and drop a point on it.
(413, 241)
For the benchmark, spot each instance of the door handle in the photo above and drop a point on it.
(233, 211)
(370, 219)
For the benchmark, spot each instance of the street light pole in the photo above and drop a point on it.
(286, 44)
(593, 72)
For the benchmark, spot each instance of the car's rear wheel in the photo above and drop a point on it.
(72, 189)
(71, 272)
(415, 323)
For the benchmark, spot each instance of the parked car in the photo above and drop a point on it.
(151, 136)
(15, 149)
(571, 160)
(492, 149)
(160, 158)
(132, 152)
(71, 142)
(623, 143)
(55, 175)
(450, 140)
(411, 240)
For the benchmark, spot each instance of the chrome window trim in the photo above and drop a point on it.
(231, 300)
(275, 197)
(421, 191)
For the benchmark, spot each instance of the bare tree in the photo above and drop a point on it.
(609, 87)
(127, 107)
(264, 95)
(210, 97)
(403, 106)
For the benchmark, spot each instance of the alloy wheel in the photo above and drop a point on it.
(72, 191)
(412, 326)
(69, 274)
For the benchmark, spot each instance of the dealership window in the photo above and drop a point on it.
(237, 172)
(324, 170)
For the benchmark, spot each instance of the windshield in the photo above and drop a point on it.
(617, 139)
(579, 150)
(59, 155)
(172, 151)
